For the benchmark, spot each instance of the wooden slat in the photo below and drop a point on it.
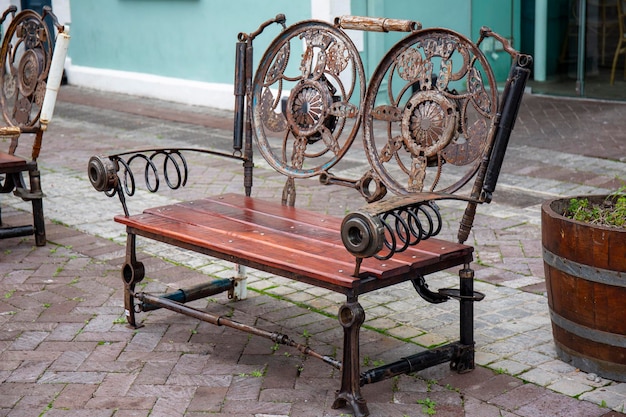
(295, 241)
(426, 248)
(231, 245)
(313, 222)
(11, 162)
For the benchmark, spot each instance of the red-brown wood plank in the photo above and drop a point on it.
(229, 244)
(431, 246)
(426, 249)
(296, 241)
(266, 217)
(8, 161)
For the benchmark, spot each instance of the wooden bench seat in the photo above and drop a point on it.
(287, 241)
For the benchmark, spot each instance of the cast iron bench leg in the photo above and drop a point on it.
(132, 273)
(351, 317)
(465, 360)
(38, 218)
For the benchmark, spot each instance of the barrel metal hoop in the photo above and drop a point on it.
(588, 333)
(589, 273)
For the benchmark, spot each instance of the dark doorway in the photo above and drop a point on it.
(582, 42)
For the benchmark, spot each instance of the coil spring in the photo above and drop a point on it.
(175, 170)
(407, 226)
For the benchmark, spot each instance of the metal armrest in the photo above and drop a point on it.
(104, 171)
(384, 228)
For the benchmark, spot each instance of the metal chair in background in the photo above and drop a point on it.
(31, 67)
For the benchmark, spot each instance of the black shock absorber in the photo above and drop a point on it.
(240, 94)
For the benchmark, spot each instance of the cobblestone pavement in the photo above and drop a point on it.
(64, 350)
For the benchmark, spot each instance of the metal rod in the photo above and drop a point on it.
(377, 24)
(466, 276)
(185, 295)
(17, 231)
(248, 164)
(225, 321)
(411, 364)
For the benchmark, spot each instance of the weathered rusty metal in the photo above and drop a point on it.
(185, 295)
(25, 58)
(413, 363)
(442, 98)
(377, 24)
(133, 272)
(489, 171)
(311, 129)
(369, 185)
(247, 71)
(366, 234)
(240, 95)
(104, 171)
(511, 101)
(351, 317)
(173, 305)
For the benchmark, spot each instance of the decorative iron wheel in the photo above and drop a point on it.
(307, 99)
(428, 111)
(24, 64)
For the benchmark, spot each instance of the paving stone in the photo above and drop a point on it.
(570, 388)
(59, 337)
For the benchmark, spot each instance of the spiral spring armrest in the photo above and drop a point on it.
(385, 228)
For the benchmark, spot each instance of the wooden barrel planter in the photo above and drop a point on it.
(585, 268)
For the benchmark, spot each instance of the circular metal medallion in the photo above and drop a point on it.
(307, 107)
(28, 72)
(428, 123)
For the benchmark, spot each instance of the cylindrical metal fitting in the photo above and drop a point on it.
(102, 173)
(362, 234)
(377, 24)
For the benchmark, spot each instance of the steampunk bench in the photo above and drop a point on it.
(31, 67)
(430, 124)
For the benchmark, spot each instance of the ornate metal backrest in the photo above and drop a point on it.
(428, 118)
(25, 61)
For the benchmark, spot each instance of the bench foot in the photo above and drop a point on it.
(351, 317)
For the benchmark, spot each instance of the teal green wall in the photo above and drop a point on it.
(191, 39)
(465, 17)
(194, 39)
(502, 17)
(557, 48)
(428, 13)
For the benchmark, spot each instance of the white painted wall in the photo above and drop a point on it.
(327, 10)
(153, 86)
(61, 9)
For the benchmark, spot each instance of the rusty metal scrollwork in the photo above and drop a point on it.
(24, 64)
(383, 234)
(307, 99)
(439, 98)
(407, 226)
(169, 165)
